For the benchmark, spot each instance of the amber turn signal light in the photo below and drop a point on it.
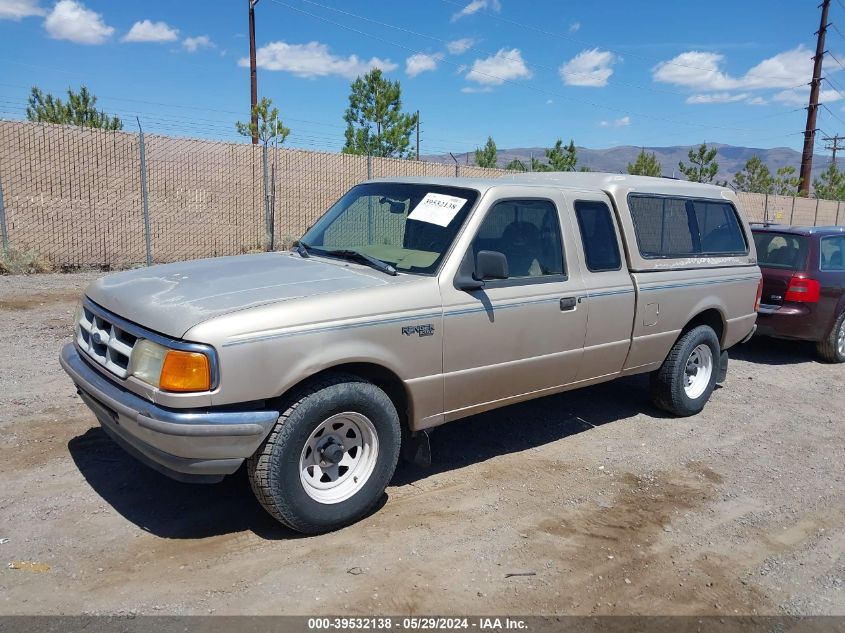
(185, 371)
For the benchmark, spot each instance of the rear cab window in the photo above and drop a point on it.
(678, 227)
(598, 235)
(786, 251)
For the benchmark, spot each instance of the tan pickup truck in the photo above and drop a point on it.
(409, 304)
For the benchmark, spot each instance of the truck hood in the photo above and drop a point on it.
(173, 298)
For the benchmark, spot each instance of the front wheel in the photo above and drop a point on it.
(330, 456)
(832, 348)
(686, 379)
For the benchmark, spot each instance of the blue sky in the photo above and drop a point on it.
(603, 73)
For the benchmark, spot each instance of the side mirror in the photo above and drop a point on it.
(487, 265)
(491, 265)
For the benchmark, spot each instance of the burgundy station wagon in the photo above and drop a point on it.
(803, 285)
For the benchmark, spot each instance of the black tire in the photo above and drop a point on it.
(667, 383)
(274, 468)
(828, 348)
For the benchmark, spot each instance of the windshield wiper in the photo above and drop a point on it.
(363, 257)
(301, 248)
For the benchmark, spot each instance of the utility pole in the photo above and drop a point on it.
(833, 145)
(253, 73)
(418, 134)
(813, 106)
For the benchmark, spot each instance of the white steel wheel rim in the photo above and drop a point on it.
(698, 371)
(840, 339)
(338, 457)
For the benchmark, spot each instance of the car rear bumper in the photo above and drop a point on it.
(191, 445)
(787, 321)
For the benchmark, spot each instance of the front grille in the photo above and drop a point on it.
(104, 342)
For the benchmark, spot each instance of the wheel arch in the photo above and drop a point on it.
(379, 375)
(712, 317)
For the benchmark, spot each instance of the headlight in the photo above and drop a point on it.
(147, 360)
(170, 369)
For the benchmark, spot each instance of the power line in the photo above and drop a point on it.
(834, 59)
(580, 42)
(503, 80)
(486, 52)
(831, 113)
(836, 28)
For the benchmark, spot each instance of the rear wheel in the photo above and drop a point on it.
(686, 379)
(330, 456)
(832, 348)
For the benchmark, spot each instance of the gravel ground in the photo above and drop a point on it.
(610, 506)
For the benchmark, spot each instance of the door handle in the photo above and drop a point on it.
(568, 303)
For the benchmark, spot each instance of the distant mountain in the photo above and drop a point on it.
(731, 158)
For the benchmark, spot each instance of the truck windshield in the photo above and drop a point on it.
(409, 226)
(781, 250)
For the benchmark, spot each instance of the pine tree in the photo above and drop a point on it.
(487, 156)
(270, 129)
(559, 158)
(703, 166)
(786, 183)
(645, 165)
(516, 165)
(830, 185)
(755, 177)
(80, 109)
(375, 123)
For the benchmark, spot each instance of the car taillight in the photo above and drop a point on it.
(759, 295)
(803, 290)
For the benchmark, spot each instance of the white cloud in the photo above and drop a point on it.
(477, 5)
(591, 67)
(421, 63)
(801, 96)
(549, 102)
(473, 89)
(314, 60)
(18, 9)
(70, 20)
(456, 47)
(193, 44)
(505, 65)
(148, 31)
(625, 121)
(701, 70)
(574, 27)
(757, 101)
(718, 97)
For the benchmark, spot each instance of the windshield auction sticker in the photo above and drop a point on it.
(437, 208)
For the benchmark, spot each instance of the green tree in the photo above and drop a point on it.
(559, 158)
(269, 129)
(703, 166)
(79, 109)
(831, 184)
(516, 165)
(645, 165)
(755, 177)
(487, 156)
(786, 183)
(374, 119)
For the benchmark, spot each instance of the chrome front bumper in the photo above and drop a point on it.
(191, 445)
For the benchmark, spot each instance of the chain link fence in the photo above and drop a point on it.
(77, 196)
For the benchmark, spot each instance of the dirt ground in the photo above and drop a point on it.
(610, 506)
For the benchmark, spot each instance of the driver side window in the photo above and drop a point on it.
(527, 232)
